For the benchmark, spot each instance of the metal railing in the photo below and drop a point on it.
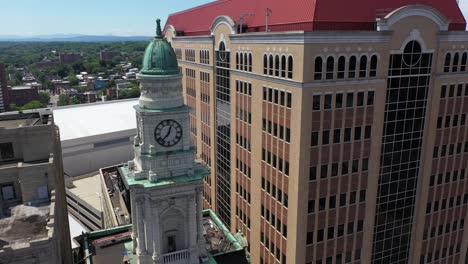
(178, 257)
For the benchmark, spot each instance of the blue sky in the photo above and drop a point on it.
(93, 17)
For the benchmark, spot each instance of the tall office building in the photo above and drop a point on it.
(335, 130)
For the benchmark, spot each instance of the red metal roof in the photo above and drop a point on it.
(304, 14)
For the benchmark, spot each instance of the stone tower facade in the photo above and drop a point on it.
(165, 181)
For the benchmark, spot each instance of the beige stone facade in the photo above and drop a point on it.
(308, 179)
(33, 212)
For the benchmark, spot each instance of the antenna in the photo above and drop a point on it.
(241, 20)
(268, 14)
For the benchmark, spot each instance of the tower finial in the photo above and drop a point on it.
(158, 28)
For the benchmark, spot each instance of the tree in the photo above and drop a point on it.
(74, 101)
(73, 80)
(63, 99)
(32, 105)
(44, 98)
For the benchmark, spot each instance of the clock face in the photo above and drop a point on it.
(168, 133)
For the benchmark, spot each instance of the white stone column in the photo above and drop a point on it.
(199, 215)
(141, 228)
(193, 220)
(200, 238)
(157, 240)
(148, 227)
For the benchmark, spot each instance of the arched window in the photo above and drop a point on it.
(318, 68)
(250, 62)
(341, 67)
(463, 63)
(237, 60)
(265, 64)
(330, 67)
(290, 67)
(352, 67)
(363, 67)
(448, 59)
(456, 59)
(373, 66)
(283, 66)
(246, 62)
(277, 65)
(270, 65)
(241, 63)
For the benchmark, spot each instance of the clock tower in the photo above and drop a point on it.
(165, 180)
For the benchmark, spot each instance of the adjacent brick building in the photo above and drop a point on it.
(21, 95)
(333, 135)
(69, 58)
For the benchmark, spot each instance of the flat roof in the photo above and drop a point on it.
(114, 245)
(94, 119)
(24, 224)
(88, 189)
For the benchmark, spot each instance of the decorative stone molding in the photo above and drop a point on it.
(220, 20)
(385, 24)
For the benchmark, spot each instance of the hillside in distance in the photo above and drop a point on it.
(72, 38)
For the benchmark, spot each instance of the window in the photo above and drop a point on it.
(326, 137)
(336, 135)
(322, 202)
(363, 67)
(318, 68)
(316, 102)
(339, 101)
(314, 139)
(7, 192)
(349, 100)
(370, 98)
(463, 62)
(373, 66)
(6, 151)
(456, 58)
(265, 64)
(328, 101)
(311, 206)
(443, 91)
(448, 59)
(283, 66)
(352, 67)
(324, 171)
(347, 134)
(310, 238)
(367, 132)
(277, 65)
(360, 99)
(341, 67)
(270, 65)
(312, 173)
(330, 67)
(290, 67)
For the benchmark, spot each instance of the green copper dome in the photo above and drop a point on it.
(160, 59)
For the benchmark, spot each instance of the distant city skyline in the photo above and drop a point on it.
(103, 17)
(87, 17)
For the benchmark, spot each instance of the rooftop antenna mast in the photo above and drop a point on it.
(241, 20)
(268, 14)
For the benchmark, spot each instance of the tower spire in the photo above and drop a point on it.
(158, 28)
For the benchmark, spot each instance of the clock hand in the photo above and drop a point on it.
(168, 133)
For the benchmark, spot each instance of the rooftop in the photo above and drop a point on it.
(24, 224)
(304, 15)
(87, 189)
(95, 119)
(115, 246)
(24, 119)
